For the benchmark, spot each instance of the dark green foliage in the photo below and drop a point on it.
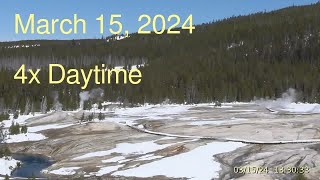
(6, 177)
(4, 116)
(90, 117)
(18, 164)
(101, 116)
(14, 128)
(236, 59)
(82, 117)
(100, 105)
(87, 105)
(24, 129)
(4, 151)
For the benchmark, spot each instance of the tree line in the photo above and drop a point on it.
(234, 59)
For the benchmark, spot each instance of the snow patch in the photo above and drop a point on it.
(149, 157)
(65, 171)
(24, 137)
(7, 165)
(46, 127)
(127, 149)
(106, 170)
(114, 159)
(196, 164)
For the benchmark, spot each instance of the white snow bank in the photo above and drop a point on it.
(21, 120)
(149, 157)
(65, 171)
(7, 165)
(24, 137)
(287, 104)
(242, 110)
(220, 122)
(114, 159)
(196, 164)
(106, 170)
(297, 108)
(153, 111)
(237, 103)
(126, 149)
(46, 127)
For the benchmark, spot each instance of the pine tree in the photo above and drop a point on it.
(82, 117)
(14, 128)
(24, 129)
(100, 106)
(90, 117)
(101, 116)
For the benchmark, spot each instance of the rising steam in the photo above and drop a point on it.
(56, 104)
(288, 97)
(287, 104)
(94, 94)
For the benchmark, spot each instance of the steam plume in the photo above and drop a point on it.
(94, 94)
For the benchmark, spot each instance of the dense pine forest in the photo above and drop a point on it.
(235, 59)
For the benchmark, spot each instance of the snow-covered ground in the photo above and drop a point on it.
(214, 122)
(196, 164)
(127, 149)
(106, 170)
(7, 165)
(297, 108)
(33, 132)
(149, 157)
(65, 171)
(287, 104)
(21, 119)
(152, 111)
(117, 38)
(114, 159)
(24, 137)
(49, 126)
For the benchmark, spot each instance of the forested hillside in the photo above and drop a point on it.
(235, 59)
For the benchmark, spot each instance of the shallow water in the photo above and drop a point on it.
(32, 165)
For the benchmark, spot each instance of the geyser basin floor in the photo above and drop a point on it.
(242, 121)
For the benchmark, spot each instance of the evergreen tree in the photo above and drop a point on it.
(90, 117)
(24, 129)
(101, 116)
(82, 117)
(14, 128)
(100, 106)
(234, 59)
(4, 116)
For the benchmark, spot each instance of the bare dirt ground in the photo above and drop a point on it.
(241, 121)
